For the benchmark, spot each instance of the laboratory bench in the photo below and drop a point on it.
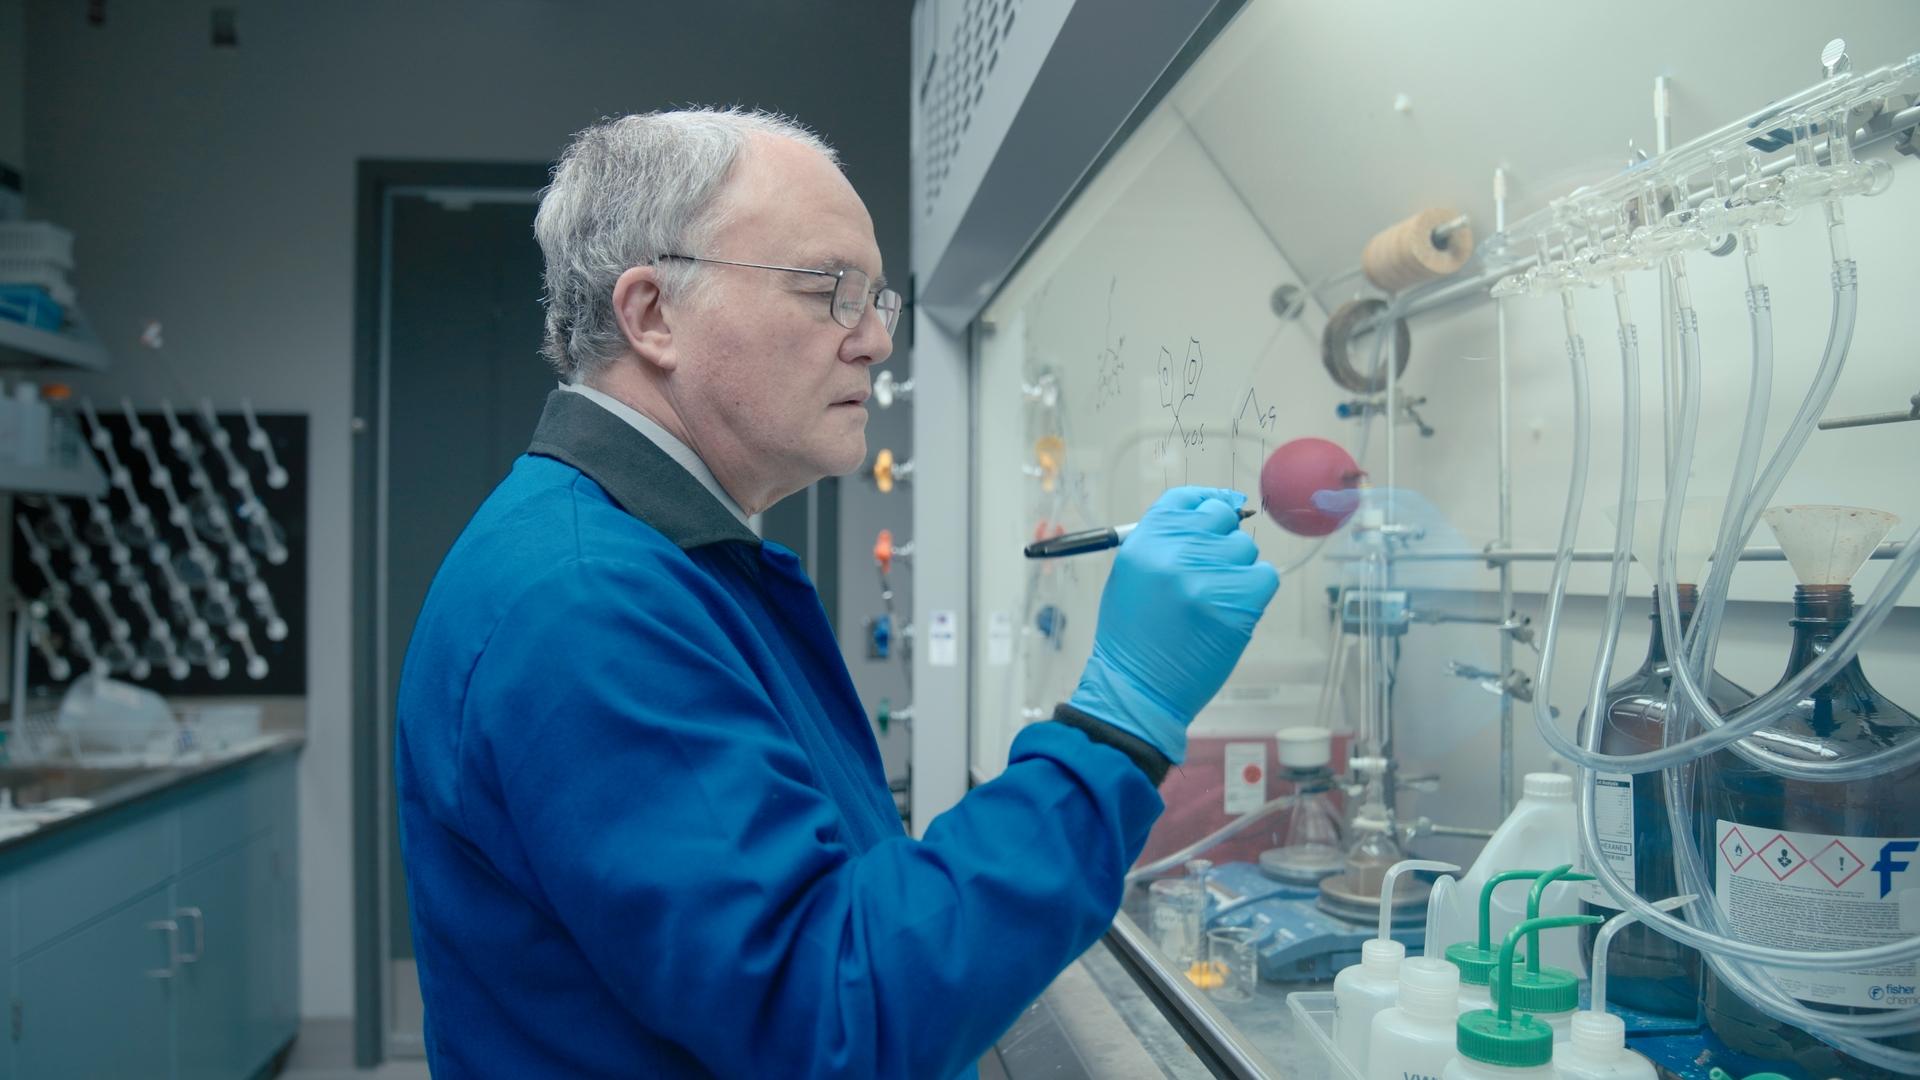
(153, 930)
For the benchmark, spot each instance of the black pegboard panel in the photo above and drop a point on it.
(284, 580)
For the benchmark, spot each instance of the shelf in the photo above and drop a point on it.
(78, 348)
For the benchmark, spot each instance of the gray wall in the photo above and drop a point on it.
(13, 16)
(213, 190)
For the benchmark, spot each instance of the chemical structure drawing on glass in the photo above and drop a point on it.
(1109, 365)
(1176, 391)
(1265, 419)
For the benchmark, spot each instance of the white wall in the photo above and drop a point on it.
(214, 190)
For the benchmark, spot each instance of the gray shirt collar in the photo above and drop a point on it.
(663, 439)
(640, 474)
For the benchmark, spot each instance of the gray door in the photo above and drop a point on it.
(464, 388)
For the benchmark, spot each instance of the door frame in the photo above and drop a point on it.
(376, 181)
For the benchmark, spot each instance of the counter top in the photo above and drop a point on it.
(49, 797)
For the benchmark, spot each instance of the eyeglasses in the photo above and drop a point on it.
(852, 290)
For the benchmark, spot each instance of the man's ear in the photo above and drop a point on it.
(643, 320)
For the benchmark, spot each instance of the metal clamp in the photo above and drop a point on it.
(199, 933)
(1350, 317)
(172, 930)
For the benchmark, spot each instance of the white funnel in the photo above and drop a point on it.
(1827, 545)
(1699, 529)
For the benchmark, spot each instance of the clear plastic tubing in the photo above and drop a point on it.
(1735, 525)
(1679, 753)
(1758, 714)
(1604, 939)
(1729, 956)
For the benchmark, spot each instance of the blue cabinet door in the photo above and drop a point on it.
(277, 955)
(219, 1008)
(98, 1003)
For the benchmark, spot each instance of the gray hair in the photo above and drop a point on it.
(625, 192)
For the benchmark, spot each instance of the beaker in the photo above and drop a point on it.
(1232, 966)
(1176, 911)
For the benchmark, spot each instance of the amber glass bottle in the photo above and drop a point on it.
(1806, 829)
(1645, 969)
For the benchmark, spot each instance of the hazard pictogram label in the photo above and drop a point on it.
(1735, 849)
(1837, 863)
(1781, 857)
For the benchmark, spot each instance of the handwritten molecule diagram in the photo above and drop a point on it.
(1265, 419)
(1108, 365)
(1175, 392)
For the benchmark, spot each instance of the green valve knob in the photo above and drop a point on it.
(885, 715)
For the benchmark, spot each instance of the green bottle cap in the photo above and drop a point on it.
(1482, 1036)
(1549, 990)
(1503, 1035)
(1476, 965)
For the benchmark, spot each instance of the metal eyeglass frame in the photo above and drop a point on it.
(876, 298)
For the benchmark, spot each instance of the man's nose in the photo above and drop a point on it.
(870, 343)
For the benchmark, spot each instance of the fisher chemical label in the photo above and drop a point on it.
(1613, 821)
(1821, 893)
(1246, 784)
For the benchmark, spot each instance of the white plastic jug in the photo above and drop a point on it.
(1540, 834)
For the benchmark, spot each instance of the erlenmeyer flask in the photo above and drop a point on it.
(1312, 847)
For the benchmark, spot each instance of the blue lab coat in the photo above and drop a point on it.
(645, 823)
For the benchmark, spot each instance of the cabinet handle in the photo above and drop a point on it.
(172, 930)
(199, 933)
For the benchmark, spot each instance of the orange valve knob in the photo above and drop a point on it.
(1050, 451)
(883, 550)
(887, 472)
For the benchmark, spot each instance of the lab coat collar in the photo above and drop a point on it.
(639, 475)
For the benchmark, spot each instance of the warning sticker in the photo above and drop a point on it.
(1246, 779)
(1821, 893)
(1613, 821)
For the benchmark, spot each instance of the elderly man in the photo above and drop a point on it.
(644, 819)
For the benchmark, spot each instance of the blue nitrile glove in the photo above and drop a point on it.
(1177, 612)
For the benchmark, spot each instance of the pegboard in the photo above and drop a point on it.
(189, 574)
(952, 83)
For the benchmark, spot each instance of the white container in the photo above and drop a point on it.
(1304, 747)
(29, 425)
(1414, 1039)
(1598, 1051)
(1540, 834)
(1361, 992)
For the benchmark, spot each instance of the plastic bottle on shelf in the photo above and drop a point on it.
(1503, 1043)
(1362, 991)
(1541, 831)
(1653, 973)
(63, 431)
(1415, 1037)
(29, 425)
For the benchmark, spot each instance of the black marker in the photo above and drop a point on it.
(1080, 543)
